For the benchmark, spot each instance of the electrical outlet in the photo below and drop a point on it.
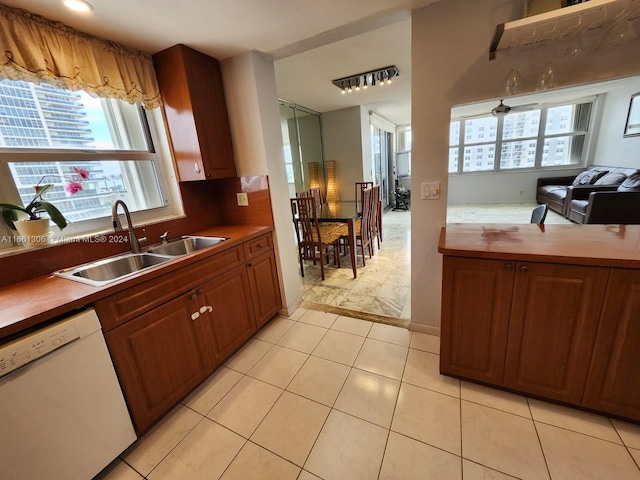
(521, 192)
(431, 191)
(243, 199)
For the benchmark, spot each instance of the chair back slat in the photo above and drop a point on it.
(360, 187)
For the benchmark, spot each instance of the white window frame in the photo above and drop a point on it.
(159, 153)
(540, 138)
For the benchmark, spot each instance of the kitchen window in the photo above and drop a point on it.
(47, 131)
(547, 137)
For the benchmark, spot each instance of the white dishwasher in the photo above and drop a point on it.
(62, 413)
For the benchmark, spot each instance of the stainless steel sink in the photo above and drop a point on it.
(184, 245)
(111, 269)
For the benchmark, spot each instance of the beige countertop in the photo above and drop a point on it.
(29, 303)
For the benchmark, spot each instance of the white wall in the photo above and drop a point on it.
(612, 149)
(343, 142)
(252, 101)
(450, 66)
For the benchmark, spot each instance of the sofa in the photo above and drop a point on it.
(599, 194)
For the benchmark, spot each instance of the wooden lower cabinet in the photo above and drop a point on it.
(552, 329)
(476, 304)
(265, 288)
(614, 373)
(229, 322)
(158, 359)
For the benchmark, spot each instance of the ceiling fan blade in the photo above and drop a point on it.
(523, 108)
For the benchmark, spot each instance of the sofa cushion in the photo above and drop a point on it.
(611, 178)
(546, 189)
(558, 194)
(631, 184)
(588, 177)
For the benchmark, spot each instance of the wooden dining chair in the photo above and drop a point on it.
(317, 196)
(360, 187)
(314, 243)
(376, 215)
(362, 226)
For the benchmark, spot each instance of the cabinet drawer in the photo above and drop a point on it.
(134, 301)
(258, 245)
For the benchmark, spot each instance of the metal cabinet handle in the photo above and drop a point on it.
(260, 245)
(199, 291)
(508, 267)
(524, 268)
(193, 297)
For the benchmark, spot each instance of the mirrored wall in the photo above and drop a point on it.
(303, 152)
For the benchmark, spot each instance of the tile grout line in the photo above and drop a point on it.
(544, 456)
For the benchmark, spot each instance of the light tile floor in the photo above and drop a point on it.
(321, 396)
(382, 289)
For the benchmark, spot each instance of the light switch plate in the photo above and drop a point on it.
(430, 190)
(243, 199)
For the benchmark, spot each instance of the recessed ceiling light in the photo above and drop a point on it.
(78, 5)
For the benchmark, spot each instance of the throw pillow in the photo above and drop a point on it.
(588, 177)
(611, 179)
(631, 184)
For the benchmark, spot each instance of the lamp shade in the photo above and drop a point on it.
(314, 180)
(332, 184)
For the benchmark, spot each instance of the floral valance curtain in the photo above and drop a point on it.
(34, 48)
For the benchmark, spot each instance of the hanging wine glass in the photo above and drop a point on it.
(513, 83)
(548, 76)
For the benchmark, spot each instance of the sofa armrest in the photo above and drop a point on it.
(555, 181)
(613, 207)
(582, 192)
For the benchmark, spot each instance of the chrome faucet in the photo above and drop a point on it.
(117, 226)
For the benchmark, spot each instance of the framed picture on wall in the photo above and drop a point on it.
(632, 127)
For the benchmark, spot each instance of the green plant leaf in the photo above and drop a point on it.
(9, 215)
(54, 213)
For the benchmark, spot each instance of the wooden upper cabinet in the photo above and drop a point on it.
(614, 373)
(476, 304)
(191, 87)
(554, 320)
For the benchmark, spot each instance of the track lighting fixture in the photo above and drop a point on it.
(361, 81)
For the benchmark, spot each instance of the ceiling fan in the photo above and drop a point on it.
(501, 110)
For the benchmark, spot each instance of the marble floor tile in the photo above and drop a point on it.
(347, 448)
(502, 441)
(369, 396)
(352, 325)
(244, 407)
(319, 380)
(391, 334)
(365, 288)
(248, 356)
(495, 398)
(424, 342)
(386, 307)
(394, 292)
(275, 329)
(357, 302)
(302, 337)
(403, 280)
(429, 417)
(382, 358)
(291, 427)
(474, 471)
(629, 432)
(573, 419)
(326, 295)
(278, 366)
(212, 390)
(339, 347)
(406, 458)
(254, 462)
(147, 452)
(205, 453)
(316, 317)
(572, 455)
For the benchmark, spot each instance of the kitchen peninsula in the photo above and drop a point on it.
(550, 311)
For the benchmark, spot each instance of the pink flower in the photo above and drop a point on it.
(82, 173)
(72, 187)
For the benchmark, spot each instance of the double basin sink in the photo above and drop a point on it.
(102, 272)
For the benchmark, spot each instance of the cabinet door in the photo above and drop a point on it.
(229, 321)
(157, 358)
(265, 289)
(554, 318)
(476, 299)
(194, 105)
(614, 374)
